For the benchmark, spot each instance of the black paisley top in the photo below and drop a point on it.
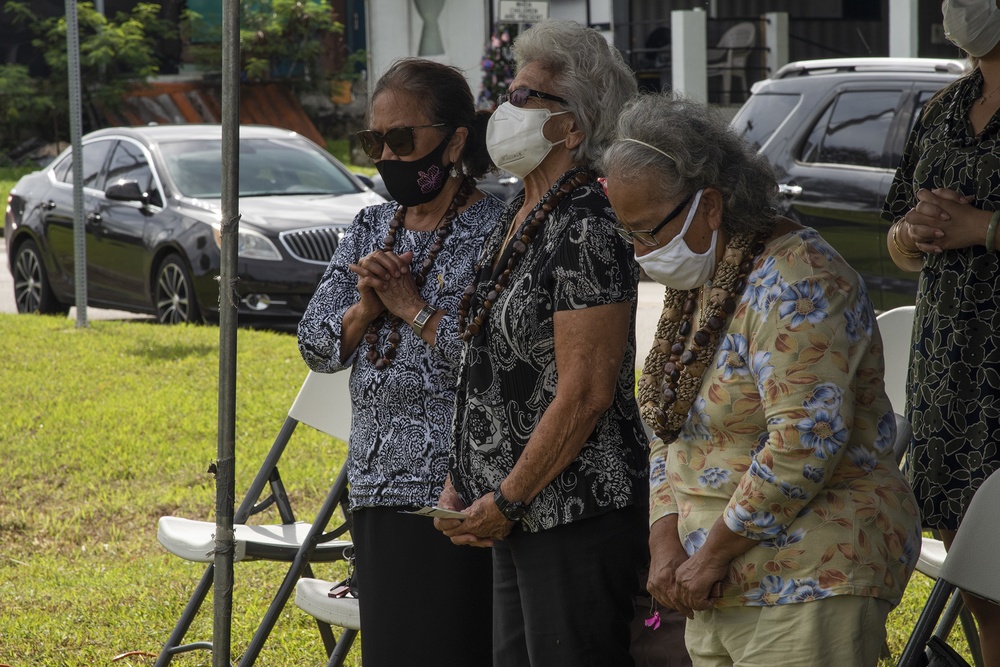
(508, 376)
(401, 427)
(954, 380)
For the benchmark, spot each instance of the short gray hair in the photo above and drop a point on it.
(587, 71)
(703, 151)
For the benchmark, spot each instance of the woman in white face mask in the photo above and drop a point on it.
(944, 206)
(764, 387)
(549, 460)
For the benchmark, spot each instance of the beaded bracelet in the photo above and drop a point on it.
(908, 254)
(991, 232)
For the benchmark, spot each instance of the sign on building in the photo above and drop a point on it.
(523, 11)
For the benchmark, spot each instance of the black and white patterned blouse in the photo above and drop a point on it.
(401, 428)
(509, 374)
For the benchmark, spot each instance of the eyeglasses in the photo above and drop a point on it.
(520, 97)
(399, 140)
(647, 237)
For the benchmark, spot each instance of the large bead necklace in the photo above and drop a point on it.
(514, 249)
(441, 231)
(672, 375)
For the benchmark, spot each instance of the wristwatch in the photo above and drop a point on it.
(418, 323)
(511, 511)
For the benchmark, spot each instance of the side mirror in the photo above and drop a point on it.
(127, 191)
(369, 183)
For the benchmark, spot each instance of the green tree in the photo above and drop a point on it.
(284, 39)
(115, 55)
(23, 110)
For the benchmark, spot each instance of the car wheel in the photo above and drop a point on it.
(32, 291)
(173, 293)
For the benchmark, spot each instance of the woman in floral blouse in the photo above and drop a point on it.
(780, 523)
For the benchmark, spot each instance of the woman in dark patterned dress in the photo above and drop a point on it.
(549, 460)
(945, 201)
(387, 308)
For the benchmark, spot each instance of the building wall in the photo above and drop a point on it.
(455, 34)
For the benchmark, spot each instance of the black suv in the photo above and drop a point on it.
(835, 131)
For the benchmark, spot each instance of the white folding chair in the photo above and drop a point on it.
(896, 328)
(728, 59)
(324, 403)
(970, 566)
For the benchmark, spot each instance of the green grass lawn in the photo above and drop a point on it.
(108, 428)
(103, 431)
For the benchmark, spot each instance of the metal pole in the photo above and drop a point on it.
(228, 300)
(75, 123)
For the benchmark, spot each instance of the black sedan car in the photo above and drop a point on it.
(152, 220)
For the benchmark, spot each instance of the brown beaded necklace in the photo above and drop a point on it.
(441, 231)
(672, 376)
(515, 248)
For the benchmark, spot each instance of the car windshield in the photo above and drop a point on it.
(267, 167)
(761, 116)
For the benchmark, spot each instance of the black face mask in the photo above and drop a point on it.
(418, 181)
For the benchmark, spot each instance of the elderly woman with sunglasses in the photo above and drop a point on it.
(549, 460)
(386, 308)
(780, 522)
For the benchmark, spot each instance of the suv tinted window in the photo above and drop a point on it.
(853, 129)
(761, 116)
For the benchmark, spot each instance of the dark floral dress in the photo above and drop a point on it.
(954, 380)
(509, 375)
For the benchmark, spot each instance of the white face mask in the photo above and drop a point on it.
(514, 138)
(972, 25)
(675, 264)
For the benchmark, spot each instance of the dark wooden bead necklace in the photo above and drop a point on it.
(441, 231)
(514, 249)
(672, 375)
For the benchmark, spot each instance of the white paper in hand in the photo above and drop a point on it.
(438, 512)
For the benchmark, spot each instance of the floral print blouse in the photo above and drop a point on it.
(790, 439)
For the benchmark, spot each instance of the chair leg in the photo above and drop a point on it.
(340, 651)
(298, 566)
(971, 635)
(187, 617)
(913, 652)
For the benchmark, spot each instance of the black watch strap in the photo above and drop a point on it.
(512, 511)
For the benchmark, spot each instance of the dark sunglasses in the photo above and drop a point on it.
(520, 97)
(647, 237)
(398, 139)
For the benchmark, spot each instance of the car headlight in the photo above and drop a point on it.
(251, 245)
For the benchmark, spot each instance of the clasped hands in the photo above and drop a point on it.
(687, 584)
(484, 523)
(385, 282)
(944, 219)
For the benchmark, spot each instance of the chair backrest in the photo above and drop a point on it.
(740, 36)
(971, 563)
(324, 402)
(896, 326)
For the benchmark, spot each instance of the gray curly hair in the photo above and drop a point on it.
(703, 151)
(586, 71)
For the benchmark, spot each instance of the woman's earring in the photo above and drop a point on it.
(454, 172)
